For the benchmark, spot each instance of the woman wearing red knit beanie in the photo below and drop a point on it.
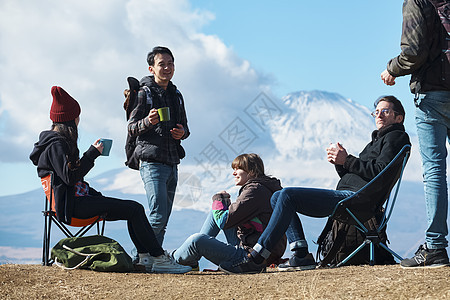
(57, 152)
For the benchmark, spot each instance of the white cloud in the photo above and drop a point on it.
(90, 48)
(127, 181)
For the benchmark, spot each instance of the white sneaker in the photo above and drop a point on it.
(166, 264)
(146, 260)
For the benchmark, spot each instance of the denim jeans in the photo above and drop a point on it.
(433, 129)
(210, 228)
(205, 244)
(318, 203)
(160, 182)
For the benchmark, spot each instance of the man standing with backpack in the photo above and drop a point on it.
(159, 122)
(425, 55)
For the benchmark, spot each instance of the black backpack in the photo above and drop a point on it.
(338, 240)
(443, 10)
(131, 95)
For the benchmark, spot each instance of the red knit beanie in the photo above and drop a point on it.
(64, 107)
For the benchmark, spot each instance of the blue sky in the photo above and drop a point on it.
(226, 53)
(339, 46)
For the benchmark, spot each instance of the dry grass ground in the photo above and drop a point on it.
(363, 282)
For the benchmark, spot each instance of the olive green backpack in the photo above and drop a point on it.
(96, 252)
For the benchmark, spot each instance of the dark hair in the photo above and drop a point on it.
(398, 107)
(250, 163)
(69, 131)
(158, 50)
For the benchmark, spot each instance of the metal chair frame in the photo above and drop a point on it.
(50, 217)
(372, 236)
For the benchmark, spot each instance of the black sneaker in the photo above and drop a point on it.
(296, 263)
(426, 258)
(244, 265)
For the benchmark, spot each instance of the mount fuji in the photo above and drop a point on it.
(290, 135)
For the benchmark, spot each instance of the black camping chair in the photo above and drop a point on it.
(50, 216)
(357, 209)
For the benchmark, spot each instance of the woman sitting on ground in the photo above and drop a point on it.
(242, 221)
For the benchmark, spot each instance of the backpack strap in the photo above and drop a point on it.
(86, 259)
(442, 9)
(148, 94)
(338, 239)
(324, 232)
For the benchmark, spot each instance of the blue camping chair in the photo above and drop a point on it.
(357, 209)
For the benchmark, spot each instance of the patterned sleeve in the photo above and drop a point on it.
(220, 209)
(139, 123)
(414, 40)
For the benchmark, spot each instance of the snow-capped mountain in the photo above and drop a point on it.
(311, 121)
(315, 119)
(290, 136)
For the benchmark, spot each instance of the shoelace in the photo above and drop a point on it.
(169, 259)
(240, 261)
(421, 247)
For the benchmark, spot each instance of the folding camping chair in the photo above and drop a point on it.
(50, 216)
(357, 209)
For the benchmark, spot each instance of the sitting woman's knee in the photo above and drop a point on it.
(196, 238)
(136, 207)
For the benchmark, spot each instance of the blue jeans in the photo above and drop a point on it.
(205, 244)
(433, 129)
(160, 182)
(210, 228)
(318, 203)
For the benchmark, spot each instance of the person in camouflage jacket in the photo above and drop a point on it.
(423, 48)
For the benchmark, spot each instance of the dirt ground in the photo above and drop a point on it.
(362, 282)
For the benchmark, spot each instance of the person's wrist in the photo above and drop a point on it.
(92, 152)
(147, 122)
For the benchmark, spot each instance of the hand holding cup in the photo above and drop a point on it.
(153, 116)
(107, 144)
(164, 114)
(336, 154)
(224, 197)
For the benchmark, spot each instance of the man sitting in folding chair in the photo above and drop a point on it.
(355, 173)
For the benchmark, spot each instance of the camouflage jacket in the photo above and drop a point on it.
(420, 48)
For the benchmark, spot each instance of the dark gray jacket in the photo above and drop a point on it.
(154, 142)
